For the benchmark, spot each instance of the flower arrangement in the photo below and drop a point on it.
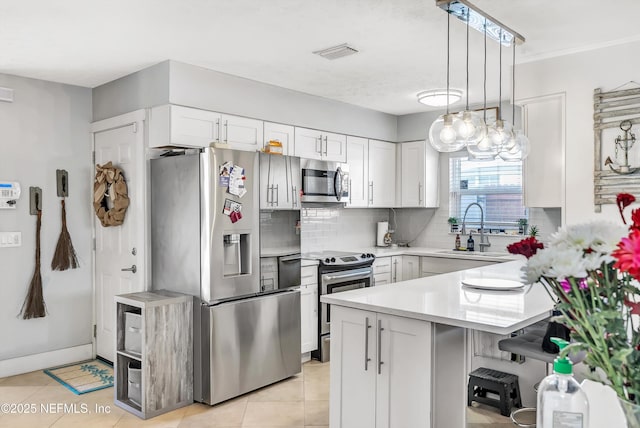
(591, 270)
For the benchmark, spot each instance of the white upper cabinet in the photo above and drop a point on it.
(280, 182)
(358, 161)
(314, 144)
(544, 124)
(241, 133)
(178, 126)
(182, 127)
(419, 175)
(382, 174)
(279, 132)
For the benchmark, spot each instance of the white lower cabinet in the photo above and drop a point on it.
(309, 308)
(374, 381)
(436, 265)
(382, 271)
(410, 267)
(397, 273)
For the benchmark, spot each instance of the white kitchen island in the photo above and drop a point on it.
(400, 354)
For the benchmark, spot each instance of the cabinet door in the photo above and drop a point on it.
(335, 147)
(309, 317)
(266, 181)
(397, 269)
(358, 161)
(431, 186)
(382, 173)
(308, 143)
(403, 385)
(544, 124)
(352, 399)
(412, 174)
(183, 127)
(241, 133)
(279, 132)
(410, 267)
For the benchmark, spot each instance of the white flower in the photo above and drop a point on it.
(567, 262)
(601, 237)
(538, 265)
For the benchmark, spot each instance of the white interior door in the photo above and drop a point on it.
(119, 247)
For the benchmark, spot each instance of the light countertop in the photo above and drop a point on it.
(442, 299)
(437, 252)
(277, 252)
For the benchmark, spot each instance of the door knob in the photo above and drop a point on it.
(132, 269)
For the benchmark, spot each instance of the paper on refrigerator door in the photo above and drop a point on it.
(236, 181)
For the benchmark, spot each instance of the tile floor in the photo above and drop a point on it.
(301, 401)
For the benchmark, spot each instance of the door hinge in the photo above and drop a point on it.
(95, 330)
(135, 127)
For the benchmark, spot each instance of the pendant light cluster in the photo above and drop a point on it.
(468, 129)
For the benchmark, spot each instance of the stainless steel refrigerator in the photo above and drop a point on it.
(205, 242)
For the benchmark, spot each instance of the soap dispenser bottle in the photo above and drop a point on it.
(561, 400)
(458, 245)
(470, 243)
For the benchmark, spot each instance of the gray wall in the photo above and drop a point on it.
(44, 129)
(192, 86)
(145, 88)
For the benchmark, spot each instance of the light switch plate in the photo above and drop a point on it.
(10, 239)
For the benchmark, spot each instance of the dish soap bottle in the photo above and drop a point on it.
(470, 243)
(457, 247)
(561, 400)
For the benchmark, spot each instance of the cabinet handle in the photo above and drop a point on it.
(371, 192)
(366, 343)
(419, 193)
(349, 191)
(218, 126)
(380, 363)
(326, 146)
(226, 131)
(293, 196)
(319, 151)
(277, 195)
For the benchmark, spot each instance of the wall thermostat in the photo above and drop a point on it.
(9, 194)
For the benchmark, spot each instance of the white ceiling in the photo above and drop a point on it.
(402, 43)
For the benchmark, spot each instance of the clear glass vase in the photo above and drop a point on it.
(631, 412)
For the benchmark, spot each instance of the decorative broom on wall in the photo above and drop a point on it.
(33, 306)
(65, 255)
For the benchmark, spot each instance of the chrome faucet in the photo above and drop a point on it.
(484, 240)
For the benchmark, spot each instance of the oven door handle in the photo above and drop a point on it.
(352, 275)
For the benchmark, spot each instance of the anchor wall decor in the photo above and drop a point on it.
(615, 109)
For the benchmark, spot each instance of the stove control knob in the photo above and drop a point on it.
(369, 255)
(364, 256)
(327, 260)
(333, 259)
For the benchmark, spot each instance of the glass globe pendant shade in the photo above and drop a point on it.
(482, 150)
(442, 134)
(517, 148)
(470, 128)
(499, 133)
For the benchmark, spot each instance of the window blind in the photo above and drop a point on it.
(496, 185)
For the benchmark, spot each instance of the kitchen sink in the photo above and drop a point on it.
(474, 253)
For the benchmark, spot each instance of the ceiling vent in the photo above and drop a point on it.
(336, 52)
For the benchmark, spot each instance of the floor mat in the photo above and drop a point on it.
(83, 377)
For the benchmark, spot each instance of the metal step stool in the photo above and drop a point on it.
(505, 385)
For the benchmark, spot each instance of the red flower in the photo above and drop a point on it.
(624, 200)
(527, 247)
(628, 254)
(635, 217)
(635, 307)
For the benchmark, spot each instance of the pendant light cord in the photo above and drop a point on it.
(484, 76)
(513, 85)
(500, 82)
(467, 59)
(448, 23)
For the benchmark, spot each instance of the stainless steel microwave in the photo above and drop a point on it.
(324, 181)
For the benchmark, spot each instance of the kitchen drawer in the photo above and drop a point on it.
(382, 265)
(382, 278)
(309, 275)
(445, 265)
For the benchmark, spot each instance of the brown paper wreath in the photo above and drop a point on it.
(110, 179)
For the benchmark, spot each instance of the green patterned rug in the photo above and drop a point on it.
(83, 377)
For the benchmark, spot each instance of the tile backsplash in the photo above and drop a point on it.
(337, 228)
(278, 229)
